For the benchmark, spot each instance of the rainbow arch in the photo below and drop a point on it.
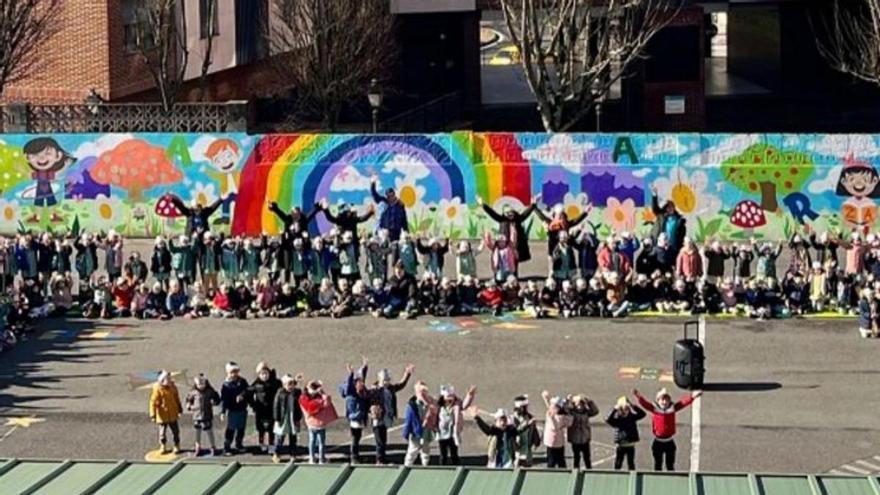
(499, 168)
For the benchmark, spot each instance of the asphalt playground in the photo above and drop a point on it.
(784, 396)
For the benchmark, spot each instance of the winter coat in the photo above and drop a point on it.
(660, 224)
(384, 401)
(357, 406)
(501, 445)
(417, 427)
(607, 262)
(579, 432)
(201, 403)
(393, 216)
(512, 227)
(663, 420)
(286, 410)
(318, 410)
(555, 427)
(229, 393)
(160, 261)
(626, 428)
(261, 395)
(165, 404)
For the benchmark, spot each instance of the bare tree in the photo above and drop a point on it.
(573, 51)
(162, 45)
(24, 26)
(848, 37)
(328, 51)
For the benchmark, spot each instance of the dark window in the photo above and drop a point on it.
(674, 55)
(209, 27)
(251, 28)
(136, 32)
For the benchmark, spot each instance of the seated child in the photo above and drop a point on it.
(727, 292)
(122, 296)
(139, 301)
(101, 305)
(615, 293)
(242, 302)
(157, 303)
(198, 301)
(285, 303)
(569, 302)
(531, 299)
(511, 289)
(177, 300)
(491, 298)
(468, 296)
(326, 298)
(549, 294)
(343, 306)
(447, 299)
(222, 304)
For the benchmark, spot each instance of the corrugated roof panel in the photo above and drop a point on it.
(784, 485)
(843, 485)
(544, 482)
(663, 484)
(483, 481)
(76, 478)
(308, 480)
(723, 484)
(605, 484)
(369, 480)
(251, 479)
(24, 475)
(135, 475)
(427, 482)
(193, 478)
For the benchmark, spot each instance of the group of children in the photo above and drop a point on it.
(282, 409)
(337, 275)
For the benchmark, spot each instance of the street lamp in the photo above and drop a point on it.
(93, 101)
(374, 96)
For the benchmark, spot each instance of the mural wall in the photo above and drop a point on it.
(727, 186)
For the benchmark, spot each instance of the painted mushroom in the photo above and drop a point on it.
(748, 215)
(165, 208)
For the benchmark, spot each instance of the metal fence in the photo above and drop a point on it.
(124, 117)
(433, 116)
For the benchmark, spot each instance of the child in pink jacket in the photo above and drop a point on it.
(556, 425)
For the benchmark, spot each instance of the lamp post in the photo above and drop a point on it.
(374, 96)
(598, 98)
(93, 101)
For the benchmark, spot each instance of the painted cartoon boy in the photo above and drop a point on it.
(859, 180)
(225, 156)
(46, 158)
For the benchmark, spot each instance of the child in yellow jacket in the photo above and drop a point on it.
(165, 409)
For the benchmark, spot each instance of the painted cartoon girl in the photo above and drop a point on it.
(46, 158)
(859, 180)
(225, 155)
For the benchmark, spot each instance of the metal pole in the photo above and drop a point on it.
(375, 121)
(598, 116)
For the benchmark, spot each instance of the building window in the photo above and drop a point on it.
(136, 30)
(209, 19)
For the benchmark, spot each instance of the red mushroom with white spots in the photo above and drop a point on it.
(748, 215)
(165, 208)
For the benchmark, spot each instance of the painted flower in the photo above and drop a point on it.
(689, 193)
(409, 192)
(648, 215)
(621, 216)
(204, 194)
(107, 213)
(574, 204)
(10, 213)
(139, 212)
(508, 202)
(451, 212)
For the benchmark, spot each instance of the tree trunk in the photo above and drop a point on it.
(768, 196)
(135, 194)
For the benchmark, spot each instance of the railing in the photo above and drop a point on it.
(432, 116)
(124, 117)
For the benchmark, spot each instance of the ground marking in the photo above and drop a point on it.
(20, 422)
(869, 465)
(854, 469)
(696, 409)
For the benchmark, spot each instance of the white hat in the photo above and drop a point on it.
(232, 366)
(163, 375)
(287, 378)
(500, 413)
(661, 393)
(160, 240)
(384, 375)
(556, 401)
(447, 391)
(200, 380)
(262, 365)
(521, 401)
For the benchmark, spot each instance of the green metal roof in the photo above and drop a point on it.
(32, 477)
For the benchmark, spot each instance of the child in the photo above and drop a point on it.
(251, 260)
(343, 305)
(200, 402)
(490, 298)
(706, 300)
(113, 257)
(210, 261)
(799, 255)
(663, 413)
(139, 301)
(160, 262)
(556, 423)
(502, 435)
(62, 298)
(378, 297)
(503, 256)
(466, 260)
(797, 297)
(278, 258)
(715, 255)
(426, 294)
(868, 314)
(679, 299)
(165, 409)
(102, 301)
(123, 293)
(348, 258)
(230, 260)
(300, 260)
(510, 294)
(233, 401)
(183, 261)
(766, 256)
(265, 298)
(641, 295)
(242, 302)
(728, 296)
(407, 253)
(326, 297)
(198, 301)
(587, 245)
(580, 433)
(447, 299)
(624, 418)
(285, 303)
(549, 294)
(137, 268)
(563, 257)
(319, 413)
(61, 257)
(261, 396)
(357, 405)
(322, 260)
(177, 300)
(157, 303)
(287, 415)
(468, 296)
(742, 261)
(433, 255)
(615, 294)
(222, 302)
(531, 300)
(86, 259)
(377, 258)
(26, 258)
(569, 302)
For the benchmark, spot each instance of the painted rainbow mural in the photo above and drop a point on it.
(113, 181)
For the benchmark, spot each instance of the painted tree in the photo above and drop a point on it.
(328, 51)
(767, 171)
(24, 26)
(135, 166)
(848, 37)
(573, 51)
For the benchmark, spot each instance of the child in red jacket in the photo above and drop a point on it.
(491, 297)
(663, 423)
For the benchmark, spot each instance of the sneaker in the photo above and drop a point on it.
(175, 450)
(276, 459)
(272, 449)
(197, 452)
(213, 453)
(227, 452)
(264, 449)
(163, 449)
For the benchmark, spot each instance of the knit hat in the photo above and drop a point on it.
(661, 393)
(622, 402)
(314, 385)
(500, 413)
(163, 375)
(286, 379)
(578, 399)
(200, 380)
(384, 375)
(556, 401)
(447, 391)
(231, 366)
(521, 401)
(262, 366)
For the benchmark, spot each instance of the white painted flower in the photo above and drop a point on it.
(203, 194)
(451, 212)
(107, 213)
(409, 192)
(10, 213)
(689, 193)
(508, 202)
(574, 204)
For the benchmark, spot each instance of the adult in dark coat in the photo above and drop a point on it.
(347, 220)
(510, 224)
(669, 221)
(197, 216)
(296, 219)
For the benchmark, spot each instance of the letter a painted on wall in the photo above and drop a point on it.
(624, 146)
(178, 151)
